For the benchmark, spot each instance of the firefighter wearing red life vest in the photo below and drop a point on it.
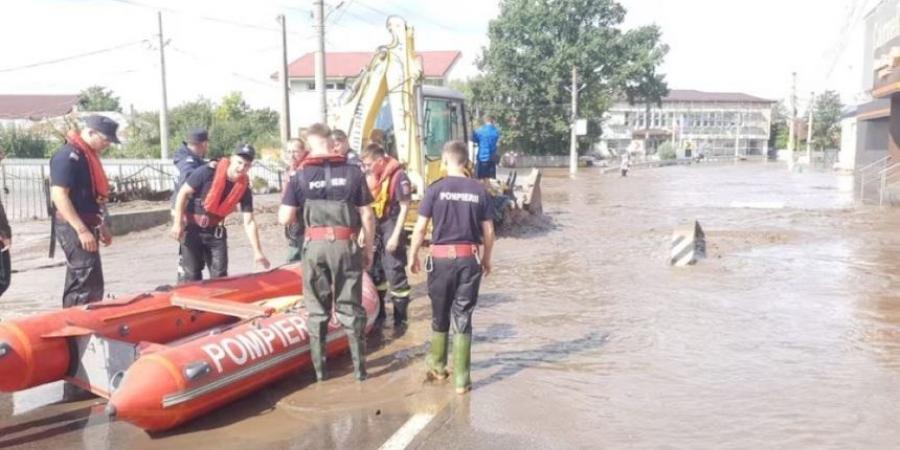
(392, 192)
(207, 197)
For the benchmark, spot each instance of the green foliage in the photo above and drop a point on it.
(229, 123)
(32, 143)
(827, 121)
(779, 133)
(528, 66)
(666, 151)
(98, 98)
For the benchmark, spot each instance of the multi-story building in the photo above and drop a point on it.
(341, 68)
(692, 122)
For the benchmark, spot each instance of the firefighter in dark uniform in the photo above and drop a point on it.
(5, 245)
(296, 153)
(460, 210)
(79, 190)
(336, 206)
(207, 197)
(392, 192)
(188, 158)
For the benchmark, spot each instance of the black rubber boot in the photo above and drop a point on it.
(379, 319)
(401, 308)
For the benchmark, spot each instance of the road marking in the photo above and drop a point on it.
(405, 435)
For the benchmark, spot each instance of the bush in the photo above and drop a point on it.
(30, 143)
(667, 152)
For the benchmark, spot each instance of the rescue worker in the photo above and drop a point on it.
(461, 213)
(336, 205)
(296, 153)
(190, 156)
(487, 137)
(392, 192)
(625, 164)
(79, 190)
(207, 197)
(5, 245)
(342, 147)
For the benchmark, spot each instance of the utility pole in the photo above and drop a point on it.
(285, 88)
(791, 134)
(319, 19)
(164, 107)
(573, 139)
(809, 128)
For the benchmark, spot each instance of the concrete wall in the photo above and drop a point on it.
(129, 221)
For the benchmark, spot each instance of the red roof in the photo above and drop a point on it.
(689, 95)
(36, 107)
(435, 64)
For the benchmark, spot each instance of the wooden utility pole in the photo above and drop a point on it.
(285, 86)
(164, 107)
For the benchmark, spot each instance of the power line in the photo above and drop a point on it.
(72, 57)
(241, 76)
(233, 23)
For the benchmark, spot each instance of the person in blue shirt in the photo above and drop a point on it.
(486, 138)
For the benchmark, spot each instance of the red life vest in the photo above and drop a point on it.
(214, 204)
(99, 181)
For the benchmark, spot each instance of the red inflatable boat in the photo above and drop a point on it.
(169, 385)
(40, 349)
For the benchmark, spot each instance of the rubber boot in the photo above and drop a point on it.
(379, 319)
(436, 361)
(462, 356)
(401, 307)
(317, 355)
(358, 354)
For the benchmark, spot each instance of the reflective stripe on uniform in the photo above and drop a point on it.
(400, 293)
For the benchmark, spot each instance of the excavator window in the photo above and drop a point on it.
(443, 123)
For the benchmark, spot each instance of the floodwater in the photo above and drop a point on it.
(786, 336)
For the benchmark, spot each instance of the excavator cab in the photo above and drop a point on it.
(443, 119)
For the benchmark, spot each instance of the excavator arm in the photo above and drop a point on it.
(395, 74)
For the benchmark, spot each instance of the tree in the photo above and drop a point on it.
(528, 64)
(778, 132)
(827, 121)
(98, 98)
(643, 85)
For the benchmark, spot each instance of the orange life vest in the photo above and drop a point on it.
(382, 183)
(214, 204)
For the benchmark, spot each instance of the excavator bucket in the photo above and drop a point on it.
(530, 194)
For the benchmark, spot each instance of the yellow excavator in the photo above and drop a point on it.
(417, 120)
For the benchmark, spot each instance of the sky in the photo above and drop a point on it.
(215, 47)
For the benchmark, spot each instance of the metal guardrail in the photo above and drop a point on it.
(886, 174)
(22, 181)
(865, 173)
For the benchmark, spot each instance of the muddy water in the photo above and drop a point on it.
(787, 336)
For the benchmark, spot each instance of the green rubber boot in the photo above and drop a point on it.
(462, 356)
(437, 356)
(358, 355)
(317, 355)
